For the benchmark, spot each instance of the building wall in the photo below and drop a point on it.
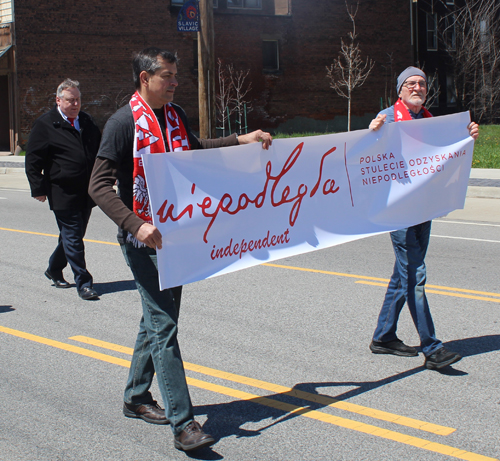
(434, 61)
(93, 42)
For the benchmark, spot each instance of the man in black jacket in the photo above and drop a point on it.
(61, 151)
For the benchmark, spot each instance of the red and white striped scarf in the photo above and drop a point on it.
(149, 140)
(401, 112)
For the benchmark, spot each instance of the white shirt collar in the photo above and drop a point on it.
(64, 116)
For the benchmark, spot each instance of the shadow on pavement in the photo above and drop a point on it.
(204, 453)
(475, 346)
(227, 419)
(114, 287)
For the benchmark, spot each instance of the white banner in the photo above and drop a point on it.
(222, 210)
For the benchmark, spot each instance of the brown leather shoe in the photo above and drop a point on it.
(149, 412)
(192, 437)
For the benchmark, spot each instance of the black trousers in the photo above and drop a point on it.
(70, 248)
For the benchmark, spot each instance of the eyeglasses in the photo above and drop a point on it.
(413, 84)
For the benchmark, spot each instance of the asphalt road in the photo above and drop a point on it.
(277, 358)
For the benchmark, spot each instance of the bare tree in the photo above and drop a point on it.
(433, 89)
(241, 105)
(390, 79)
(349, 70)
(231, 97)
(471, 36)
(121, 98)
(223, 98)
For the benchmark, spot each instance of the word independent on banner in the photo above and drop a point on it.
(222, 210)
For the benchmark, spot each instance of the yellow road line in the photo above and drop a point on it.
(365, 277)
(464, 290)
(280, 266)
(327, 401)
(286, 407)
(345, 423)
(28, 232)
(278, 389)
(456, 295)
(66, 347)
(317, 271)
(56, 236)
(100, 241)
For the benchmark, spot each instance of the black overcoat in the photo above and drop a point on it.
(59, 160)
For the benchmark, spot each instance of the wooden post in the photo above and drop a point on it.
(206, 70)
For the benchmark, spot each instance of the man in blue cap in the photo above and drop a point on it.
(407, 283)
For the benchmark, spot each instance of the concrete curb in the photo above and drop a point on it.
(483, 192)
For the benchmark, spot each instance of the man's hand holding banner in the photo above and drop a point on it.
(222, 210)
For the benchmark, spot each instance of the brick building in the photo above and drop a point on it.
(286, 45)
(431, 17)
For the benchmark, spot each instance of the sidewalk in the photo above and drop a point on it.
(12, 174)
(482, 202)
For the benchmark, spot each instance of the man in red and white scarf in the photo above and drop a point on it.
(407, 284)
(151, 123)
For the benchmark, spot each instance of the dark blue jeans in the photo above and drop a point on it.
(156, 348)
(70, 248)
(407, 284)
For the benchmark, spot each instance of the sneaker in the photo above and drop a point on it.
(441, 358)
(394, 347)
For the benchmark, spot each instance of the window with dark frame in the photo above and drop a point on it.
(433, 88)
(195, 54)
(181, 2)
(270, 55)
(451, 40)
(451, 96)
(248, 4)
(432, 31)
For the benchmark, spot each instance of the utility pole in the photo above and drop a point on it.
(206, 70)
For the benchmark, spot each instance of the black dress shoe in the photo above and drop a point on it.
(149, 412)
(394, 347)
(58, 280)
(192, 437)
(87, 293)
